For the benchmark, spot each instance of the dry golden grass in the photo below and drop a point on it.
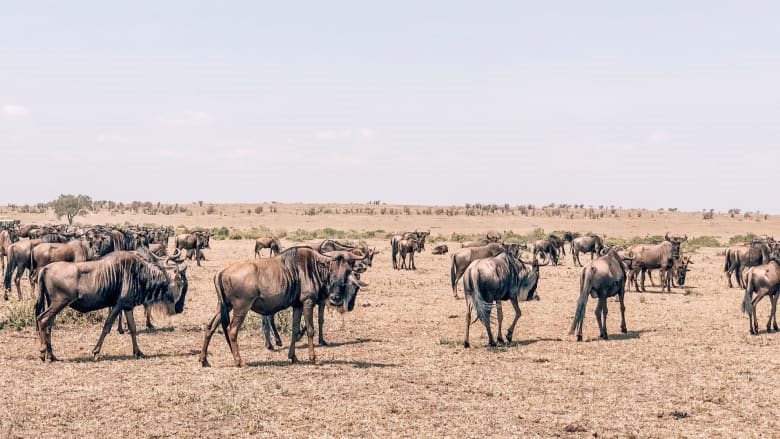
(396, 366)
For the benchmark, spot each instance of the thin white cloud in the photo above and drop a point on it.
(111, 139)
(15, 112)
(658, 138)
(187, 119)
(348, 134)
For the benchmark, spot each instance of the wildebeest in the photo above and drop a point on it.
(269, 242)
(120, 281)
(493, 280)
(420, 236)
(408, 247)
(546, 248)
(762, 280)
(45, 253)
(461, 259)
(659, 256)
(569, 237)
(7, 237)
(585, 244)
(441, 249)
(740, 257)
(19, 260)
(297, 278)
(193, 243)
(601, 278)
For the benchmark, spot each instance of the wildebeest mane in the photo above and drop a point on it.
(135, 279)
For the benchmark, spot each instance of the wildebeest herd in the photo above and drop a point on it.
(98, 267)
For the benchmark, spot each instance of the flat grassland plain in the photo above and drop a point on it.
(396, 366)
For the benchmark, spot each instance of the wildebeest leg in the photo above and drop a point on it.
(486, 323)
(235, 324)
(773, 304)
(211, 327)
(131, 327)
(738, 275)
(119, 328)
(774, 309)
(308, 314)
(112, 315)
(623, 328)
(18, 282)
(149, 326)
(296, 327)
(500, 319)
(511, 330)
(320, 322)
(197, 256)
(411, 261)
(44, 322)
(754, 320)
(466, 343)
(604, 311)
(728, 276)
(650, 275)
(267, 321)
(599, 307)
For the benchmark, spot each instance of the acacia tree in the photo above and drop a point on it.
(72, 206)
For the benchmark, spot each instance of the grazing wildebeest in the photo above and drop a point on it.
(45, 253)
(659, 256)
(270, 243)
(762, 280)
(352, 290)
(558, 243)
(441, 249)
(19, 260)
(461, 259)
(297, 277)
(740, 257)
(601, 278)
(7, 237)
(120, 281)
(420, 236)
(193, 243)
(547, 249)
(493, 280)
(408, 247)
(585, 244)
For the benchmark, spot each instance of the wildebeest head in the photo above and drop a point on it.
(421, 240)
(352, 290)
(339, 271)
(202, 239)
(177, 282)
(493, 236)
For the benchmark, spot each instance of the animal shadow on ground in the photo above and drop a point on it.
(355, 364)
(90, 359)
(620, 336)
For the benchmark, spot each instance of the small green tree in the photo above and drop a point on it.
(71, 206)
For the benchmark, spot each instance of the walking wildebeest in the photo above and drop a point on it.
(7, 237)
(762, 280)
(493, 280)
(193, 243)
(441, 249)
(739, 257)
(120, 281)
(545, 248)
(585, 244)
(601, 278)
(461, 259)
(408, 247)
(270, 242)
(297, 278)
(19, 260)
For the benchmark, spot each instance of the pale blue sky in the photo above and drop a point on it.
(647, 104)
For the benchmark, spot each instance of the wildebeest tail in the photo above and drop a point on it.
(224, 307)
(747, 302)
(728, 261)
(454, 275)
(9, 269)
(43, 294)
(582, 303)
(481, 307)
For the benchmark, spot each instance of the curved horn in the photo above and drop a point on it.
(666, 237)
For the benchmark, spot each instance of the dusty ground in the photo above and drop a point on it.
(396, 366)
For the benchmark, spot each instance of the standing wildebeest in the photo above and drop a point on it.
(19, 260)
(45, 253)
(493, 280)
(461, 259)
(193, 243)
(740, 257)
(585, 244)
(120, 281)
(762, 280)
(7, 237)
(420, 236)
(569, 237)
(441, 249)
(408, 247)
(546, 248)
(602, 277)
(659, 256)
(297, 277)
(270, 243)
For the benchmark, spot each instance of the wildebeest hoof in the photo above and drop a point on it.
(139, 355)
(120, 330)
(605, 337)
(240, 364)
(151, 328)
(466, 344)
(96, 356)
(624, 330)
(323, 342)
(293, 359)
(270, 347)
(204, 363)
(279, 342)
(579, 338)
(492, 344)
